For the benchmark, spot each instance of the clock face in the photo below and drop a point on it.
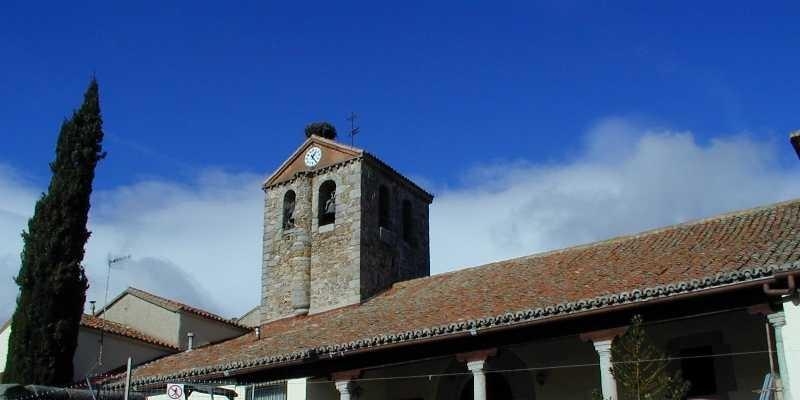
(313, 155)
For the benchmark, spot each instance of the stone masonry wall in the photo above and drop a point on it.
(335, 250)
(386, 256)
(277, 272)
(346, 262)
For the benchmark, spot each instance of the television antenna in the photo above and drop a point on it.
(110, 262)
(354, 129)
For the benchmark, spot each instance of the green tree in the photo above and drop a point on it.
(323, 129)
(44, 330)
(640, 368)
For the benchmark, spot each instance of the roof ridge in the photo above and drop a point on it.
(404, 178)
(625, 237)
(333, 142)
(136, 292)
(182, 306)
(122, 330)
(248, 312)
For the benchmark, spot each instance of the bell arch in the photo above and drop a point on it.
(326, 204)
(289, 203)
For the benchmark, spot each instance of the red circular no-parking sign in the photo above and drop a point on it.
(174, 391)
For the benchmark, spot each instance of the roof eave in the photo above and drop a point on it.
(428, 197)
(721, 282)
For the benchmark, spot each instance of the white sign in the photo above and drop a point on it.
(175, 391)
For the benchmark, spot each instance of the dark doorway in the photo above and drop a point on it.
(697, 365)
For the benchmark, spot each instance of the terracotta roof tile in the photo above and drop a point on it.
(724, 250)
(92, 322)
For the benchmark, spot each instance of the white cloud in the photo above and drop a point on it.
(16, 205)
(627, 179)
(200, 242)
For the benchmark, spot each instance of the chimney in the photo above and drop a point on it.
(794, 138)
(189, 346)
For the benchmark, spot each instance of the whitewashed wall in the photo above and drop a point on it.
(205, 330)
(116, 350)
(145, 317)
(4, 335)
(791, 347)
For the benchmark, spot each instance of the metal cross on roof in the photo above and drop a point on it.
(354, 129)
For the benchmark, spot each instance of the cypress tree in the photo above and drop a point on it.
(44, 330)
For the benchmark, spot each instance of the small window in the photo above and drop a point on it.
(697, 367)
(408, 223)
(267, 392)
(288, 209)
(327, 203)
(383, 207)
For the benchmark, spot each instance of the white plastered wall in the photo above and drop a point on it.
(791, 347)
(205, 330)
(4, 347)
(116, 350)
(296, 389)
(145, 317)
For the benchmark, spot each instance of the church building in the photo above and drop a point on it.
(349, 309)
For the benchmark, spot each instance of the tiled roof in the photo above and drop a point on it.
(691, 257)
(92, 322)
(173, 305)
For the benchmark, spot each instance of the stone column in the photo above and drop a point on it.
(602, 344)
(301, 246)
(301, 272)
(345, 388)
(778, 321)
(607, 382)
(345, 385)
(478, 379)
(476, 362)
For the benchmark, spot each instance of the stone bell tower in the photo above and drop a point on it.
(339, 227)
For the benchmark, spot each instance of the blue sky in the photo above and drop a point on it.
(438, 87)
(535, 112)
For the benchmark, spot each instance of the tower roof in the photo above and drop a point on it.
(294, 163)
(335, 153)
